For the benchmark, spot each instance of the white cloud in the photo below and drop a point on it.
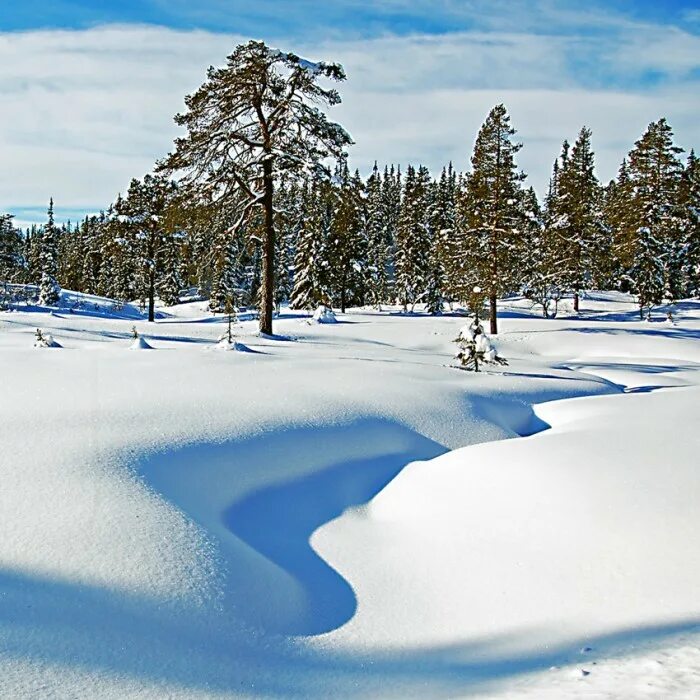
(83, 112)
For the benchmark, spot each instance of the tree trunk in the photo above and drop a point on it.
(151, 296)
(576, 298)
(492, 314)
(268, 260)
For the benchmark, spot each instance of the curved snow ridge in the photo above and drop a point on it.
(638, 375)
(261, 498)
(564, 534)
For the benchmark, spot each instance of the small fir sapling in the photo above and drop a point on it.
(44, 340)
(138, 342)
(324, 314)
(231, 319)
(474, 345)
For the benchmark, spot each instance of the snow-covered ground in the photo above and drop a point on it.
(337, 512)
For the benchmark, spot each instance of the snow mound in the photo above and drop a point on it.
(324, 314)
(225, 346)
(46, 340)
(140, 344)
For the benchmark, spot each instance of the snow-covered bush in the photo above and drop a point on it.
(44, 340)
(324, 314)
(475, 348)
(235, 345)
(138, 343)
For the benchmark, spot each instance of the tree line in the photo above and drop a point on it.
(257, 205)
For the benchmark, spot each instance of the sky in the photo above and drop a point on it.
(88, 89)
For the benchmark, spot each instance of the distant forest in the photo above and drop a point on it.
(232, 210)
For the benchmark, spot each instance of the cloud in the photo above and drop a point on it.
(84, 111)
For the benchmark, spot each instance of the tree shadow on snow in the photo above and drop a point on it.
(93, 629)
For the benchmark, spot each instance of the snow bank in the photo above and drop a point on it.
(191, 527)
(324, 314)
(140, 343)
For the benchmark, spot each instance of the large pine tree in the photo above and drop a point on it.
(147, 213)
(492, 215)
(310, 259)
(48, 262)
(576, 217)
(413, 238)
(654, 219)
(252, 121)
(377, 231)
(689, 200)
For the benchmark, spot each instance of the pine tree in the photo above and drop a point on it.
(48, 260)
(248, 124)
(12, 262)
(543, 271)
(288, 211)
(147, 213)
(435, 269)
(443, 272)
(475, 348)
(92, 261)
(377, 231)
(689, 201)
(412, 238)
(345, 241)
(576, 217)
(654, 219)
(491, 209)
(226, 280)
(309, 258)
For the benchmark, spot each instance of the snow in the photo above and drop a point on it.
(140, 343)
(346, 515)
(324, 314)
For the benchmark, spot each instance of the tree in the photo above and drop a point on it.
(11, 258)
(345, 246)
(689, 200)
(575, 214)
(543, 278)
(252, 121)
(48, 261)
(310, 259)
(147, 213)
(474, 345)
(412, 238)
(654, 220)
(492, 215)
(617, 216)
(377, 229)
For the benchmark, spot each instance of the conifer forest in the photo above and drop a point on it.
(398, 234)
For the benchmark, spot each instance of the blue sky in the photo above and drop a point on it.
(303, 17)
(89, 88)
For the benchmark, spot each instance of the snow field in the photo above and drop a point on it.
(200, 524)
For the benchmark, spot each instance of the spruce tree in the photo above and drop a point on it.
(345, 246)
(689, 201)
(48, 261)
(12, 262)
(309, 259)
(413, 238)
(147, 213)
(377, 231)
(444, 270)
(576, 215)
(654, 219)
(543, 270)
(492, 215)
